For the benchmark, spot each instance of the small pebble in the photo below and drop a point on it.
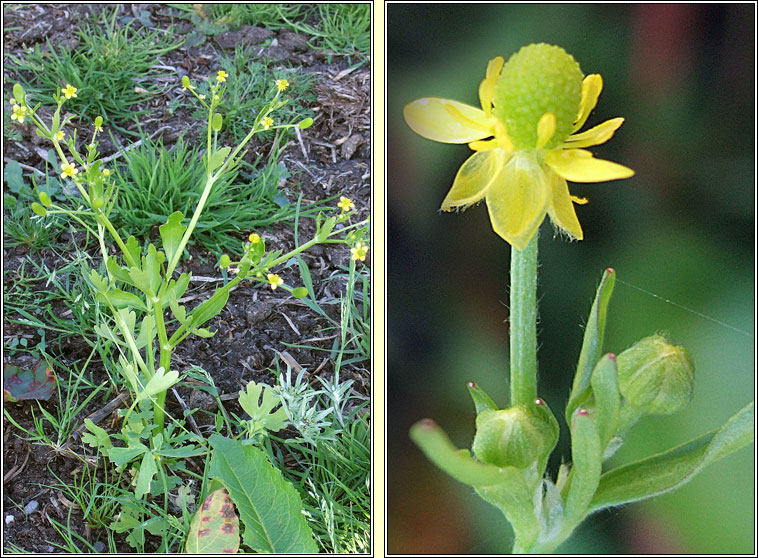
(31, 507)
(99, 546)
(9, 519)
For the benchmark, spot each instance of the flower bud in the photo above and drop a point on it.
(655, 376)
(519, 436)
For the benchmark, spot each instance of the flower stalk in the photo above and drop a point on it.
(523, 324)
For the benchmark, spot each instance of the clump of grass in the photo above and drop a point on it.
(250, 84)
(154, 182)
(111, 68)
(339, 29)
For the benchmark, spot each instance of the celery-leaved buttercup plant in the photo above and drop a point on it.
(139, 284)
(527, 144)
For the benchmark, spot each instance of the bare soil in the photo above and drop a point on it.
(254, 330)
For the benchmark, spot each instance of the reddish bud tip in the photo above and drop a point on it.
(538, 401)
(583, 412)
(471, 384)
(611, 356)
(610, 270)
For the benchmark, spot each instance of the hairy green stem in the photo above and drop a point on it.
(523, 324)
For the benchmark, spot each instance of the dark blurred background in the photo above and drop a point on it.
(682, 228)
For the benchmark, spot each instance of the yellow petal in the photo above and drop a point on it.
(473, 178)
(561, 210)
(578, 165)
(591, 88)
(517, 199)
(487, 87)
(447, 121)
(545, 129)
(594, 136)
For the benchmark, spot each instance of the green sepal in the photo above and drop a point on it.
(482, 401)
(671, 469)
(587, 459)
(593, 344)
(299, 292)
(459, 464)
(171, 234)
(147, 470)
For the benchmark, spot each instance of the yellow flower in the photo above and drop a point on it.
(346, 204)
(106, 172)
(532, 109)
(67, 169)
(60, 135)
(221, 76)
(267, 122)
(254, 238)
(282, 84)
(69, 91)
(359, 252)
(275, 280)
(19, 113)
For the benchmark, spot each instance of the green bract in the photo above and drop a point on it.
(538, 79)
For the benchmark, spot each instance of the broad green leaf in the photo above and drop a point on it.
(203, 332)
(177, 287)
(263, 411)
(18, 93)
(14, 176)
(218, 157)
(133, 248)
(459, 464)
(593, 343)
(118, 272)
(159, 383)
(669, 470)
(121, 299)
(269, 506)
(34, 382)
(210, 308)
(215, 528)
(171, 234)
(96, 437)
(122, 456)
(147, 471)
(126, 319)
(587, 459)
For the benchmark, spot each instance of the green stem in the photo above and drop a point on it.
(523, 324)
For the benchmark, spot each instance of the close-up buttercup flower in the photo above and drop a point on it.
(69, 91)
(19, 113)
(359, 252)
(68, 170)
(345, 204)
(221, 76)
(274, 280)
(526, 141)
(267, 122)
(254, 238)
(282, 84)
(60, 135)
